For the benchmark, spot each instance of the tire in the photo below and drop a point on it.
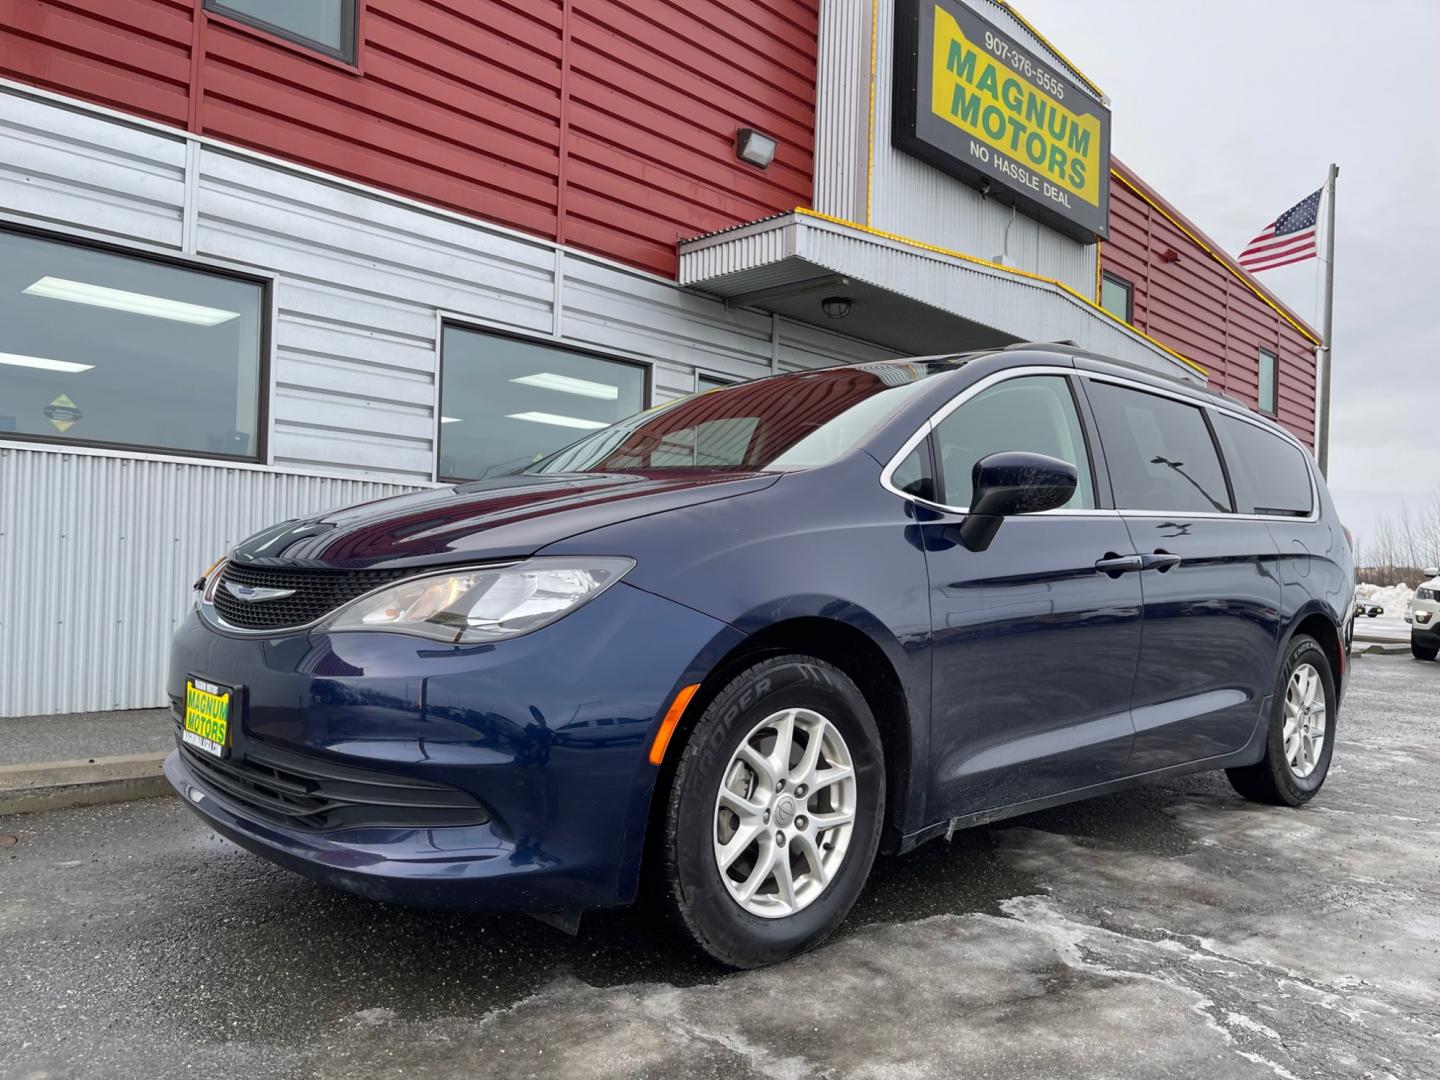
(1274, 779)
(706, 904)
(1423, 652)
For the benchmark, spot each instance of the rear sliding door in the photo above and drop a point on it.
(1210, 587)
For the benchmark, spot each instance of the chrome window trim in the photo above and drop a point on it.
(937, 417)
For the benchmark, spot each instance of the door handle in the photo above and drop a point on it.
(1161, 561)
(1115, 565)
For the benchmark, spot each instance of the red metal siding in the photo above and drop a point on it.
(1200, 304)
(608, 124)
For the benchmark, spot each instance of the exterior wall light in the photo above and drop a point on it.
(755, 147)
(835, 307)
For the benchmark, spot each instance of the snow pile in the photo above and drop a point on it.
(1393, 598)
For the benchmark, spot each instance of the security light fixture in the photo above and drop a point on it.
(45, 363)
(558, 421)
(566, 384)
(81, 292)
(755, 147)
(835, 307)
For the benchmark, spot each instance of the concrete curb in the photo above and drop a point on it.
(1361, 648)
(56, 785)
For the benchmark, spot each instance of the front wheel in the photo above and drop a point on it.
(775, 813)
(1423, 652)
(1302, 732)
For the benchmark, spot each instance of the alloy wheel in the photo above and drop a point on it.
(785, 813)
(1306, 718)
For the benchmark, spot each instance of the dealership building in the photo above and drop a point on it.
(259, 258)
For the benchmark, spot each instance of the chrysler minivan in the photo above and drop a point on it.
(721, 652)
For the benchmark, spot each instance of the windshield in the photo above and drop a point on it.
(792, 422)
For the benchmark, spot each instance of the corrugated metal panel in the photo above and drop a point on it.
(656, 93)
(614, 132)
(917, 200)
(606, 307)
(76, 169)
(97, 555)
(803, 346)
(127, 54)
(1196, 305)
(459, 104)
(842, 109)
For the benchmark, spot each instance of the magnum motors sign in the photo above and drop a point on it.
(972, 101)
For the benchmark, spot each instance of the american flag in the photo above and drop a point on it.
(1290, 238)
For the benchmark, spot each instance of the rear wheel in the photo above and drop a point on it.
(1302, 732)
(1423, 652)
(775, 813)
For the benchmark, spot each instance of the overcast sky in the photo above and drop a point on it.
(1233, 110)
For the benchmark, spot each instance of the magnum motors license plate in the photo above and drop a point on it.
(206, 725)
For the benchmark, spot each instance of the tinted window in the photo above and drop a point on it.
(505, 402)
(912, 476)
(1159, 451)
(705, 382)
(1270, 475)
(793, 422)
(1035, 414)
(328, 26)
(107, 348)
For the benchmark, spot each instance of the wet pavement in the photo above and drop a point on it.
(1170, 931)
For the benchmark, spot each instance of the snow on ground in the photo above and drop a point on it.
(1393, 598)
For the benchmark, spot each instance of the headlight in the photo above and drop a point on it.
(482, 604)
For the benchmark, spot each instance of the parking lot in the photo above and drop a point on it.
(1172, 931)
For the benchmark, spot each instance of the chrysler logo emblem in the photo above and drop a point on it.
(254, 594)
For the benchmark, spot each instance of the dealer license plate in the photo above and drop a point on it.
(207, 716)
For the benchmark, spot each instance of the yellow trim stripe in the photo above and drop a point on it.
(1099, 271)
(1074, 70)
(1308, 334)
(909, 242)
(870, 134)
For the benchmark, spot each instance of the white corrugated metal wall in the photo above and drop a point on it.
(906, 196)
(98, 549)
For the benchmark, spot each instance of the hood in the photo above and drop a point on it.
(487, 519)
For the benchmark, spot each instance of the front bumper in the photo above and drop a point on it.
(549, 732)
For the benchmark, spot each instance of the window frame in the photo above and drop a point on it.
(1096, 448)
(446, 320)
(715, 377)
(1128, 286)
(1099, 481)
(352, 17)
(1260, 356)
(264, 375)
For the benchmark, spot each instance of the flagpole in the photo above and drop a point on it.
(1322, 442)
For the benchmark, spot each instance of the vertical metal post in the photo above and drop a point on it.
(1322, 441)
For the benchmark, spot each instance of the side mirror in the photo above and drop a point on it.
(1012, 483)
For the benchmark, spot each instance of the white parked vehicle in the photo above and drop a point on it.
(1423, 615)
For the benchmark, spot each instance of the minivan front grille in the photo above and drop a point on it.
(303, 792)
(312, 593)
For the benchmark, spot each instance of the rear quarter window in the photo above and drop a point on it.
(1270, 475)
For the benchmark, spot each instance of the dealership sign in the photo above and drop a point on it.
(973, 102)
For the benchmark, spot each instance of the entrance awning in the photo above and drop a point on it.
(911, 297)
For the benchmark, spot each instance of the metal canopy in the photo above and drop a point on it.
(906, 296)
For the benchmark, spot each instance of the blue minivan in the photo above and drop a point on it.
(721, 652)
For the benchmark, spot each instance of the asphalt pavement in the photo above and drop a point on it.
(1173, 931)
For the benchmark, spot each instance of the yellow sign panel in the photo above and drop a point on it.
(62, 413)
(997, 105)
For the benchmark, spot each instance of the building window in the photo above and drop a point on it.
(506, 402)
(327, 26)
(104, 348)
(1269, 382)
(1116, 297)
(705, 381)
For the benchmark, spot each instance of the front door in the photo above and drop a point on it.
(1211, 587)
(1035, 646)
